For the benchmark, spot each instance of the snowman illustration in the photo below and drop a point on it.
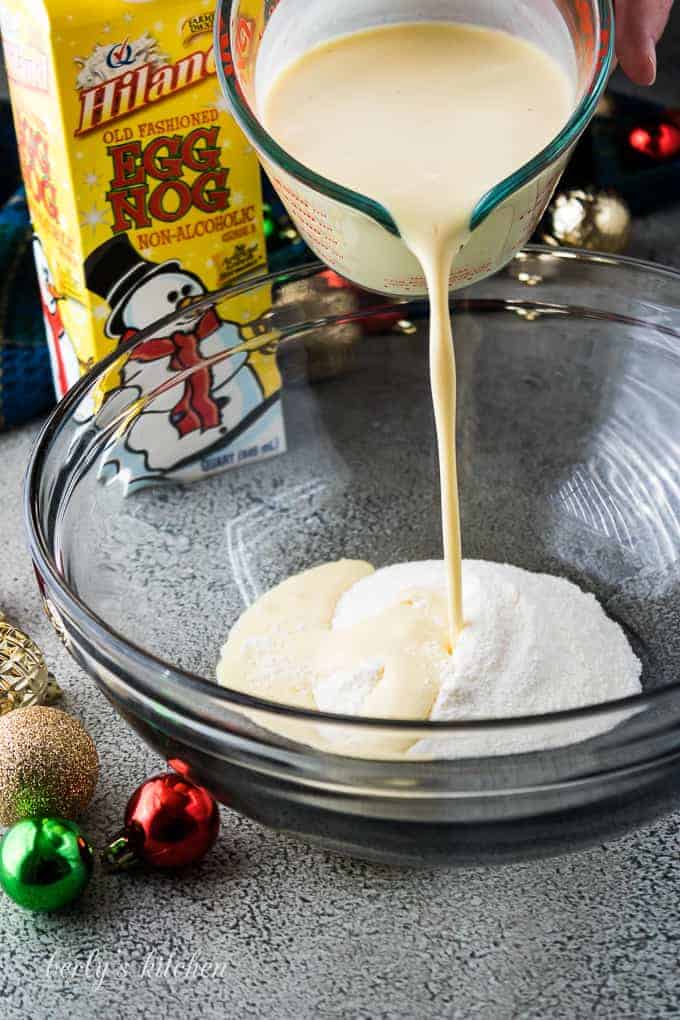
(63, 358)
(214, 406)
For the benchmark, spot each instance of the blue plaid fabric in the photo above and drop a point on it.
(26, 388)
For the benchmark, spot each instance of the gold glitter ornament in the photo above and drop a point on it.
(24, 679)
(595, 220)
(48, 765)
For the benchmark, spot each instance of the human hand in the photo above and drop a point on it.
(639, 26)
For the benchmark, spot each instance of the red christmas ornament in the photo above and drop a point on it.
(335, 281)
(169, 823)
(381, 322)
(658, 142)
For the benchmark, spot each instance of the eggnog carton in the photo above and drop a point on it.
(144, 195)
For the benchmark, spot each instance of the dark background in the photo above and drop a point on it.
(655, 237)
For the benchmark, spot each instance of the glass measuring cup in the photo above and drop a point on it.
(352, 233)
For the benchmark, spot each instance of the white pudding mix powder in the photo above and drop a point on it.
(532, 644)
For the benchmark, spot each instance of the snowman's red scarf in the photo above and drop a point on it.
(196, 410)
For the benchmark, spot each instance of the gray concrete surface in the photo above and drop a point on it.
(282, 930)
(285, 931)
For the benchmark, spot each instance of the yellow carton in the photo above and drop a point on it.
(144, 195)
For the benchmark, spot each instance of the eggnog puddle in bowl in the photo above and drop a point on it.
(425, 118)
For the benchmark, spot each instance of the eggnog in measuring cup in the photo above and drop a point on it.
(423, 118)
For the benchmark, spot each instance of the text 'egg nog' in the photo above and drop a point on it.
(144, 195)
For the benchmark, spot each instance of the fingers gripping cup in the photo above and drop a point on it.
(352, 232)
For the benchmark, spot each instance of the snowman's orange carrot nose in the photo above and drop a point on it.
(53, 292)
(185, 302)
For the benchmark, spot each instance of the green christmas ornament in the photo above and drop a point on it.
(45, 863)
(269, 224)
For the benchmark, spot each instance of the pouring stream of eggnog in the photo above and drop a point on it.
(424, 118)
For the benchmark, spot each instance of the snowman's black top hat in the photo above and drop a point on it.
(114, 271)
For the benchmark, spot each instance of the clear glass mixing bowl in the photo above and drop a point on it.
(569, 434)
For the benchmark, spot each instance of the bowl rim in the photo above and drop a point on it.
(46, 566)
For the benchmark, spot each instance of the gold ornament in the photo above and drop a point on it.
(595, 220)
(24, 679)
(606, 108)
(48, 765)
(329, 351)
(332, 352)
